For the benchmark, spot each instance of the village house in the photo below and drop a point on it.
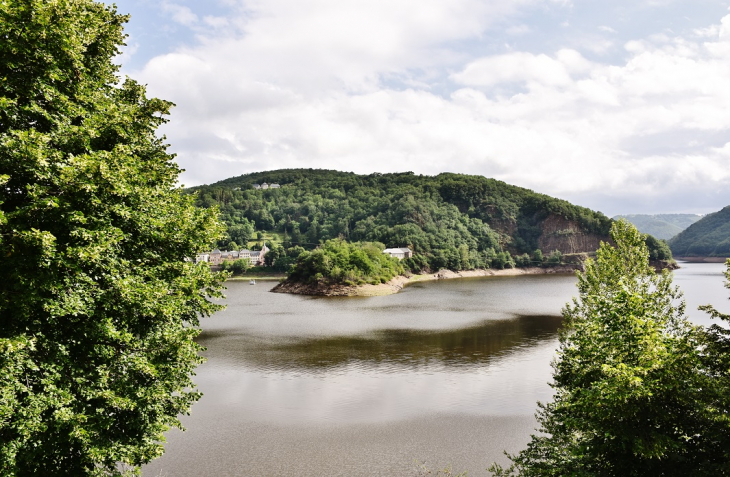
(265, 186)
(399, 253)
(217, 257)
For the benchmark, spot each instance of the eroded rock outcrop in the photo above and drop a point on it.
(558, 233)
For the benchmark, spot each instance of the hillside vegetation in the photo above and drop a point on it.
(451, 221)
(337, 261)
(661, 226)
(708, 237)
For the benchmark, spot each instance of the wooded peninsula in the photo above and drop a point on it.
(331, 227)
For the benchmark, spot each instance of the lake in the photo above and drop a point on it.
(447, 372)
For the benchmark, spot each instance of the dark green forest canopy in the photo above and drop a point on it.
(338, 261)
(450, 220)
(708, 237)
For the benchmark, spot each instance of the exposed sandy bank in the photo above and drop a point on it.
(396, 284)
(702, 259)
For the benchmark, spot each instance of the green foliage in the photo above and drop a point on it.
(450, 221)
(716, 358)
(708, 237)
(523, 260)
(537, 256)
(238, 267)
(240, 233)
(633, 391)
(338, 261)
(658, 249)
(502, 260)
(555, 258)
(98, 305)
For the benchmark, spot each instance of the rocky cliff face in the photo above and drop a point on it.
(561, 234)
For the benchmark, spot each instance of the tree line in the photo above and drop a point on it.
(453, 221)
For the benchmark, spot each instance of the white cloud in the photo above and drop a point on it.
(711, 31)
(517, 30)
(513, 68)
(724, 30)
(180, 14)
(216, 22)
(379, 87)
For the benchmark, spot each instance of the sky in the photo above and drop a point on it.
(622, 106)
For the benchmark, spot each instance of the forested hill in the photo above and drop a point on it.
(449, 220)
(708, 237)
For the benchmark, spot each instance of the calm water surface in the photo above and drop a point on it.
(446, 372)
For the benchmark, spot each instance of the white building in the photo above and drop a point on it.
(216, 257)
(266, 186)
(399, 253)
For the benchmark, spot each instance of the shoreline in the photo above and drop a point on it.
(398, 283)
(265, 278)
(702, 259)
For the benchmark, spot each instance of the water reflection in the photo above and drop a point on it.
(447, 372)
(397, 348)
(703, 284)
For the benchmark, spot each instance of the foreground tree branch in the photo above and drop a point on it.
(638, 389)
(98, 304)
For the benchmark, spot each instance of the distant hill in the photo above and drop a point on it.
(661, 226)
(453, 221)
(708, 237)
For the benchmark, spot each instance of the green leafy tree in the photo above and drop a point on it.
(633, 395)
(274, 254)
(538, 257)
(98, 303)
(716, 358)
(241, 233)
(658, 249)
(523, 260)
(338, 261)
(555, 257)
(240, 266)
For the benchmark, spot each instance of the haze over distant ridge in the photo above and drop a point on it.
(661, 226)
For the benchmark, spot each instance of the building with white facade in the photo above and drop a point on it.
(399, 253)
(216, 257)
